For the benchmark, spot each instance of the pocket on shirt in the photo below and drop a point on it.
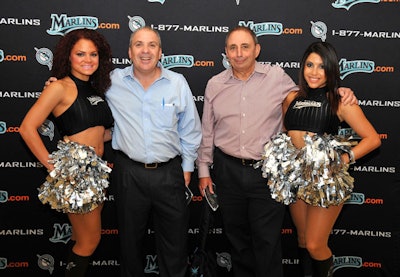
(166, 117)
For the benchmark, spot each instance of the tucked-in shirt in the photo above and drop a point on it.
(240, 116)
(156, 124)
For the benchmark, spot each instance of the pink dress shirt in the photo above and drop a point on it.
(239, 117)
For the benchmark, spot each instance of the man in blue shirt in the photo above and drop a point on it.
(156, 135)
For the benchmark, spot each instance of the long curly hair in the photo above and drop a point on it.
(100, 79)
(331, 66)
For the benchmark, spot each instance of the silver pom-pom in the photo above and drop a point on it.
(326, 178)
(314, 173)
(281, 163)
(79, 179)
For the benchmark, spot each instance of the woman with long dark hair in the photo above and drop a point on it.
(312, 174)
(77, 176)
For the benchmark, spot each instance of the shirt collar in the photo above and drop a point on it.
(128, 72)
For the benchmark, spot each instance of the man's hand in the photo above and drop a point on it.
(205, 182)
(47, 83)
(347, 96)
(187, 175)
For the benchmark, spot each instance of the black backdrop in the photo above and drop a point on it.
(365, 239)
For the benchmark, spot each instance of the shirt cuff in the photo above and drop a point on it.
(187, 166)
(203, 171)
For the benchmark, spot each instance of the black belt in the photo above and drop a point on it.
(245, 162)
(145, 165)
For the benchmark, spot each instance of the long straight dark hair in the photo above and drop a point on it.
(331, 66)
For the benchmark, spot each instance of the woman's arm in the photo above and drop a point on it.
(355, 118)
(289, 98)
(50, 98)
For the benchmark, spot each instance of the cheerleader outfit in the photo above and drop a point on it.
(79, 179)
(314, 173)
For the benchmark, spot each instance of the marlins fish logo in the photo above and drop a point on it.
(136, 22)
(47, 129)
(319, 29)
(224, 260)
(46, 262)
(225, 61)
(44, 56)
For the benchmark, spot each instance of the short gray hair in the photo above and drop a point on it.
(145, 28)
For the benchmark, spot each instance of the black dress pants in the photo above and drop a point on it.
(252, 219)
(160, 192)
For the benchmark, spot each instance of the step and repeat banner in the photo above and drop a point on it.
(366, 33)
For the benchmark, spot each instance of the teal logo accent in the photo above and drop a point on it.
(348, 132)
(158, 1)
(177, 61)
(3, 127)
(356, 199)
(151, 265)
(346, 261)
(356, 66)
(62, 233)
(263, 28)
(62, 24)
(3, 263)
(347, 4)
(1, 55)
(3, 196)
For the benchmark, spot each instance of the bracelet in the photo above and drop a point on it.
(351, 157)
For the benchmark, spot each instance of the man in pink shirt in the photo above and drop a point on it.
(242, 110)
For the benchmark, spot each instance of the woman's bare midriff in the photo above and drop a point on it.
(91, 137)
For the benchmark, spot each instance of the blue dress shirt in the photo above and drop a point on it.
(156, 124)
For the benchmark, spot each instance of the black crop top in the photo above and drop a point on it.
(88, 110)
(312, 113)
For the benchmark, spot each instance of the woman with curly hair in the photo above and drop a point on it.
(77, 176)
